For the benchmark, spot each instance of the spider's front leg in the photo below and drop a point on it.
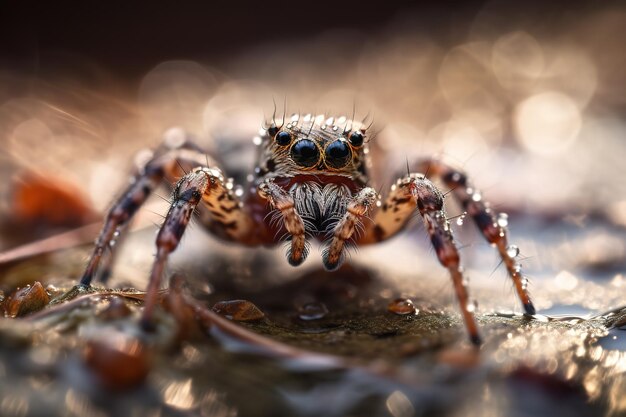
(415, 191)
(486, 219)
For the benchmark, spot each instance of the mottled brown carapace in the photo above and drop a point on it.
(310, 182)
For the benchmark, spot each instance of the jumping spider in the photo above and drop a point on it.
(311, 181)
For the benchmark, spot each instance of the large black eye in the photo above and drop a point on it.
(283, 138)
(356, 138)
(337, 154)
(305, 153)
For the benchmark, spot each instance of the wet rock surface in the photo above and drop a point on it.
(360, 349)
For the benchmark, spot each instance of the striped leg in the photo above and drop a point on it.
(356, 210)
(411, 192)
(490, 223)
(223, 209)
(280, 200)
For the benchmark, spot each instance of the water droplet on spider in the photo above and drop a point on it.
(461, 219)
(512, 251)
(111, 243)
(503, 220)
(402, 307)
(477, 196)
(312, 311)
(257, 140)
(472, 306)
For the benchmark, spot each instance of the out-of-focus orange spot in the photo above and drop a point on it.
(49, 201)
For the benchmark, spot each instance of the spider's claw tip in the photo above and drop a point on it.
(329, 265)
(85, 280)
(529, 309)
(476, 340)
(295, 261)
(147, 325)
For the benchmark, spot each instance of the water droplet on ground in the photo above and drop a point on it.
(402, 307)
(312, 311)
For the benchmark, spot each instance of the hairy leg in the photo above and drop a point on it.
(411, 192)
(280, 200)
(223, 212)
(344, 229)
(488, 221)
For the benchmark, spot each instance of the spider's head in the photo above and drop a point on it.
(315, 145)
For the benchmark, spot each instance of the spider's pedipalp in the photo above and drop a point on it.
(293, 223)
(343, 230)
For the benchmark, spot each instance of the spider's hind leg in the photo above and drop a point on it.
(486, 219)
(223, 209)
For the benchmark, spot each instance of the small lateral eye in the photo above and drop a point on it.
(356, 138)
(283, 138)
(272, 130)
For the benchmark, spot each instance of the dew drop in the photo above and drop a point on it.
(512, 251)
(312, 311)
(503, 220)
(477, 196)
(256, 140)
(471, 307)
(461, 219)
(402, 307)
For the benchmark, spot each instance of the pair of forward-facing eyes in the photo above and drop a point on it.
(306, 153)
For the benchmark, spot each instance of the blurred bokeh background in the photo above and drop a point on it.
(84, 86)
(528, 97)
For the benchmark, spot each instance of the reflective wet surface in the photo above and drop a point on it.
(532, 109)
(325, 344)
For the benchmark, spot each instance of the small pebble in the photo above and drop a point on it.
(119, 361)
(26, 300)
(238, 310)
(117, 309)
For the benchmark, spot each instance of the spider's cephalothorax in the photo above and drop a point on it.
(311, 182)
(320, 163)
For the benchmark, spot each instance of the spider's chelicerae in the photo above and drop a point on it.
(311, 182)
